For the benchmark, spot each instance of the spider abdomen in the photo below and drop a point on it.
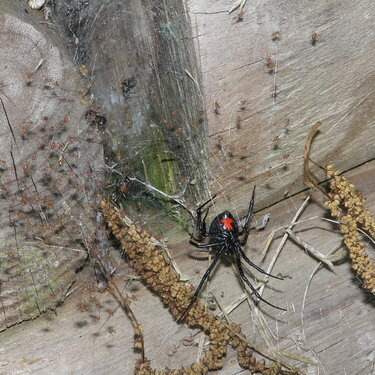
(224, 224)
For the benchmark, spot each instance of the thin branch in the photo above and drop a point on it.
(307, 288)
(233, 305)
(283, 240)
(125, 302)
(176, 198)
(324, 219)
(311, 181)
(238, 4)
(268, 355)
(310, 249)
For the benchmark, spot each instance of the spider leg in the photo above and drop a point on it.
(250, 263)
(245, 279)
(201, 206)
(201, 223)
(204, 278)
(207, 235)
(246, 226)
(205, 245)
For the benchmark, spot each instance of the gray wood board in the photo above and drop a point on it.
(90, 335)
(50, 163)
(331, 81)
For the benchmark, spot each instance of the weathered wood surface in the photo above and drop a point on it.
(272, 88)
(330, 81)
(271, 80)
(89, 334)
(48, 152)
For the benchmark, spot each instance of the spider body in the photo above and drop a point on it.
(224, 228)
(224, 224)
(226, 237)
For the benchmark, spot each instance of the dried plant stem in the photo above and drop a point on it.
(348, 205)
(310, 249)
(149, 263)
(268, 355)
(316, 269)
(175, 198)
(306, 158)
(125, 304)
(284, 239)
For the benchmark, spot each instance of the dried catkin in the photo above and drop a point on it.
(348, 205)
(149, 263)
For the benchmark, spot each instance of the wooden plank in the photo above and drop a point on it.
(90, 334)
(48, 151)
(329, 80)
(272, 88)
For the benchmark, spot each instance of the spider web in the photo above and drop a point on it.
(128, 147)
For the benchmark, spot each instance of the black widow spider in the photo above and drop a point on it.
(224, 235)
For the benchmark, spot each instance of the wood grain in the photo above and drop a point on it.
(47, 152)
(272, 90)
(90, 335)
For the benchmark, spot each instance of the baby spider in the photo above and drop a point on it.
(224, 236)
